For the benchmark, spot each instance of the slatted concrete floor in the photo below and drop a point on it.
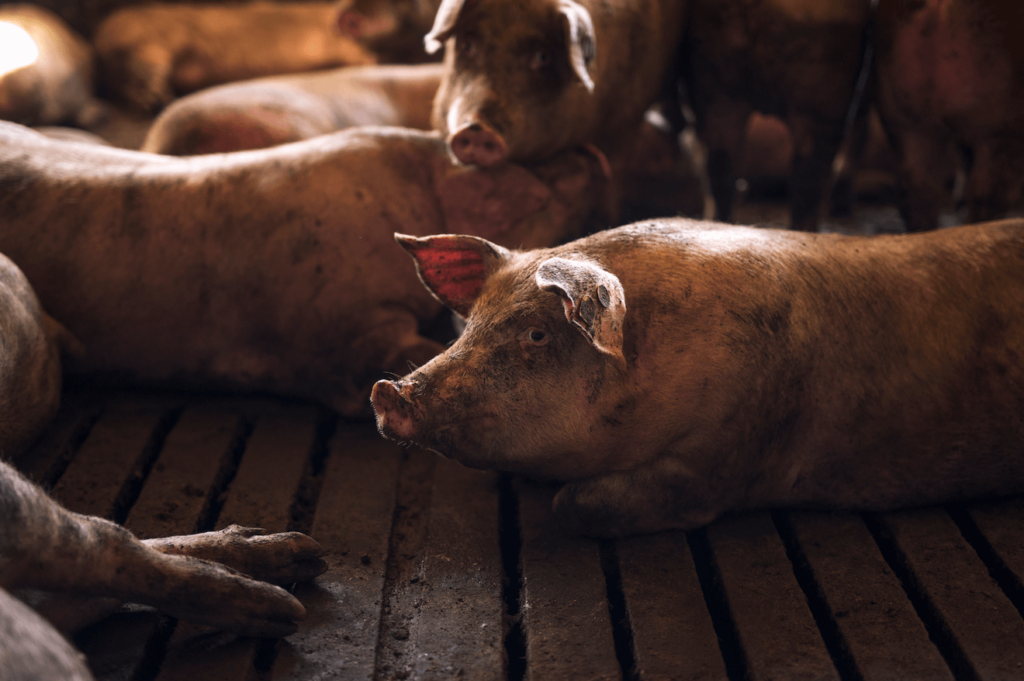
(440, 572)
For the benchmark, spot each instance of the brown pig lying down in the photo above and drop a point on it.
(672, 371)
(150, 54)
(265, 112)
(97, 563)
(273, 269)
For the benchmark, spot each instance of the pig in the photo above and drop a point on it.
(268, 270)
(150, 54)
(525, 80)
(55, 132)
(269, 111)
(221, 579)
(44, 546)
(797, 60)
(674, 370)
(46, 71)
(951, 72)
(392, 30)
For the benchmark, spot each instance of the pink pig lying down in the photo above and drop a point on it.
(270, 270)
(675, 370)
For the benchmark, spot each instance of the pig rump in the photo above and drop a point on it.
(758, 368)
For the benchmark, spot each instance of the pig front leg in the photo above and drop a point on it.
(45, 546)
(657, 496)
(815, 144)
(921, 155)
(282, 558)
(722, 129)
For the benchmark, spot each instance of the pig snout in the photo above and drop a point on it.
(478, 145)
(350, 24)
(393, 409)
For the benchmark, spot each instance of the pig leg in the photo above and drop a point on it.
(722, 129)
(45, 546)
(815, 145)
(995, 178)
(658, 496)
(922, 156)
(277, 558)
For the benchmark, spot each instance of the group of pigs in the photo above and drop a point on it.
(667, 371)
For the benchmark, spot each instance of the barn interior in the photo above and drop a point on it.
(438, 571)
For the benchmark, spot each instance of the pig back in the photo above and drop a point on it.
(830, 371)
(159, 265)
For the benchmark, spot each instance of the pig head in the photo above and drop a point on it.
(524, 80)
(540, 333)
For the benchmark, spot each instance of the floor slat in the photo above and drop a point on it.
(353, 523)
(565, 609)
(773, 621)
(974, 611)
(673, 636)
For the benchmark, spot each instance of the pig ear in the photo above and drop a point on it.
(593, 299)
(579, 34)
(444, 24)
(454, 267)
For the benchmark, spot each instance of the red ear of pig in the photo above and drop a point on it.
(454, 267)
(444, 23)
(580, 39)
(593, 299)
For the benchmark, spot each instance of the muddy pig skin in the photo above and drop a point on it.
(30, 361)
(151, 54)
(953, 71)
(798, 60)
(269, 111)
(524, 80)
(272, 269)
(392, 29)
(675, 370)
(57, 85)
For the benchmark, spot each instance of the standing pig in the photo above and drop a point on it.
(45, 69)
(392, 29)
(526, 79)
(953, 71)
(272, 269)
(798, 60)
(675, 370)
(151, 54)
(269, 111)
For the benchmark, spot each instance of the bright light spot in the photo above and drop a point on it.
(17, 49)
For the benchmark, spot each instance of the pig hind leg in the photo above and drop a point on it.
(995, 178)
(815, 144)
(922, 156)
(722, 129)
(282, 558)
(45, 546)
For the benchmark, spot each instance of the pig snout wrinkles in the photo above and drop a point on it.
(476, 144)
(394, 418)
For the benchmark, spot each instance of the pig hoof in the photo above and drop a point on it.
(281, 558)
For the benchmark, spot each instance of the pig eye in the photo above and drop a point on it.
(535, 336)
(540, 60)
(466, 46)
